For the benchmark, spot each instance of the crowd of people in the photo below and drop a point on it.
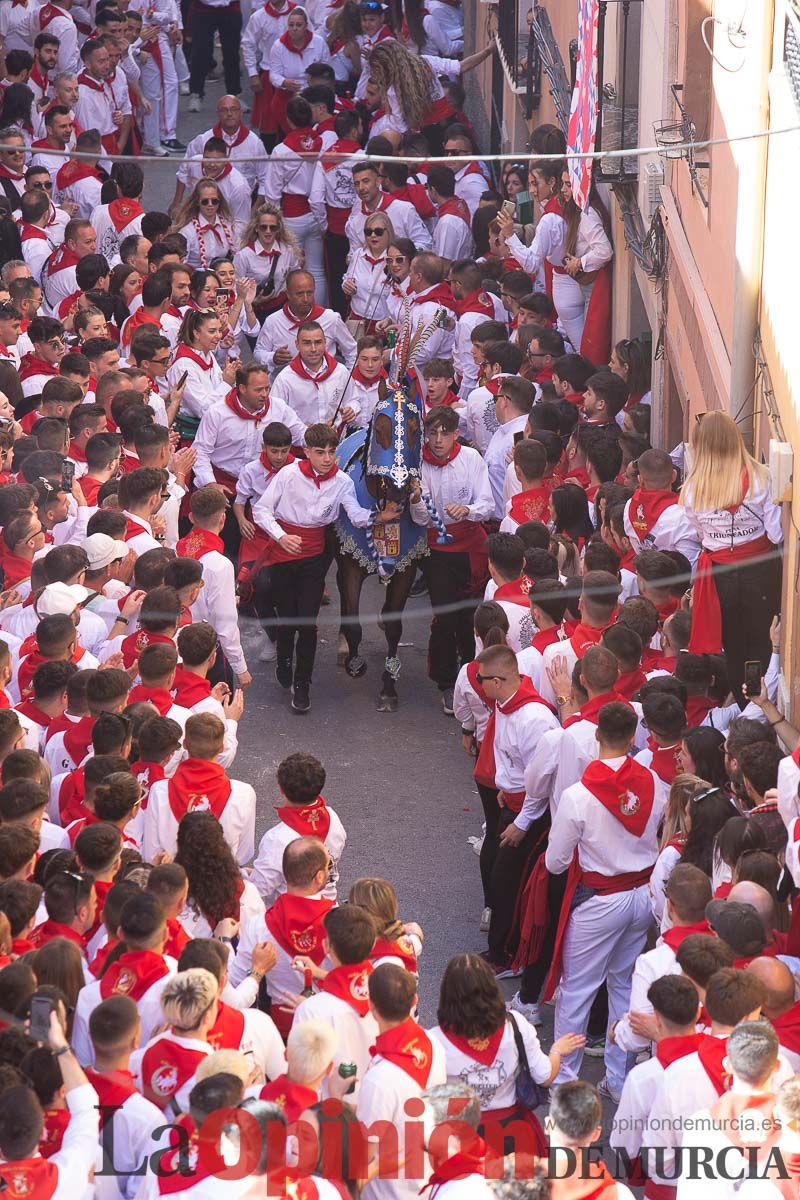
(183, 986)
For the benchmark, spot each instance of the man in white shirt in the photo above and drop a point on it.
(405, 220)
(431, 298)
(473, 308)
(57, 20)
(242, 144)
(97, 103)
(277, 342)
(164, 1069)
(58, 274)
(653, 518)
(231, 182)
(314, 382)
(452, 235)
(497, 359)
(512, 406)
(470, 180)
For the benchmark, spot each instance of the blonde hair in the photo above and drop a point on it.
(282, 237)
(379, 898)
(225, 1062)
(392, 66)
(720, 462)
(388, 226)
(310, 1048)
(681, 792)
(187, 997)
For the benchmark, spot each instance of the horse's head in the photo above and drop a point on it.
(394, 441)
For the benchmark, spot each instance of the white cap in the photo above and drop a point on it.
(61, 598)
(104, 550)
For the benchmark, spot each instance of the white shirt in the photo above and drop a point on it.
(287, 173)
(406, 222)
(218, 239)
(516, 736)
(197, 925)
(719, 529)
(64, 28)
(315, 399)
(470, 181)
(495, 1084)
(452, 237)
(133, 1127)
(650, 965)
(237, 821)
(228, 440)
(468, 708)
(298, 500)
(369, 275)
(76, 1158)
(237, 190)
(497, 459)
(280, 329)
(286, 64)
(239, 154)
(463, 481)
(636, 1101)
(463, 361)
(788, 783)
(254, 262)
(149, 1005)
(203, 387)
(354, 1034)
(267, 870)
(260, 34)
(95, 106)
(478, 420)
(672, 531)
(36, 252)
(365, 396)
(216, 604)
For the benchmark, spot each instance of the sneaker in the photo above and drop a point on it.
(195, 103)
(595, 1046)
(158, 151)
(447, 702)
(174, 145)
(529, 1011)
(604, 1089)
(508, 973)
(183, 88)
(269, 651)
(283, 673)
(301, 701)
(486, 918)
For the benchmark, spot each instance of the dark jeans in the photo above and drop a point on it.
(509, 869)
(491, 814)
(452, 640)
(297, 589)
(205, 22)
(336, 249)
(749, 597)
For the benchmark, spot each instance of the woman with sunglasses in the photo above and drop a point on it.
(205, 220)
(366, 283)
(399, 254)
(206, 382)
(268, 254)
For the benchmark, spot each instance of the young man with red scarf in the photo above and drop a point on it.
(653, 518)
(71, 905)
(473, 307)
(665, 718)
(506, 561)
(200, 783)
(23, 1172)
(313, 383)
(597, 605)
(294, 512)
(343, 999)
(277, 343)
(605, 829)
(438, 382)
(165, 1067)
(157, 665)
(107, 691)
(452, 234)
(305, 813)
(687, 892)
(310, 1049)
(494, 358)
(365, 378)
(455, 481)
(660, 580)
(405, 1062)
(198, 650)
(533, 502)
(459, 1162)
(429, 294)
(41, 364)
(403, 216)
(519, 721)
(574, 1125)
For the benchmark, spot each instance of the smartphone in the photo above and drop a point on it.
(510, 208)
(67, 475)
(182, 379)
(41, 1007)
(223, 294)
(752, 677)
(519, 436)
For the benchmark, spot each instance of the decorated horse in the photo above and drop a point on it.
(383, 461)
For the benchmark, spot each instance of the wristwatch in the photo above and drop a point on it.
(562, 700)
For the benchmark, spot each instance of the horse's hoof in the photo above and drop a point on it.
(342, 651)
(387, 704)
(356, 666)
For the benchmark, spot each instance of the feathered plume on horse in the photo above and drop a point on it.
(383, 461)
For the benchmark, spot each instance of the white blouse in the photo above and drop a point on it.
(719, 529)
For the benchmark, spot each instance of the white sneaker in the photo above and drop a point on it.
(183, 88)
(158, 151)
(529, 1011)
(269, 651)
(486, 918)
(195, 103)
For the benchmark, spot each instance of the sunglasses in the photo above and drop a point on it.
(395, 262)
(485, 678)
(210, 200)
(374, 232)
(43, 187)
(267, 228)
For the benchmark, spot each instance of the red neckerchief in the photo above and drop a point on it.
(674, 936)
(160, 698)
(15, 569)
(303, 141)
(270, 8)
(430, 458)
(697, 709)
(269, 468)
(473, 671)
(147, 773)
(139, 318)
(358, 377)
(6, 173)
(408, 1047)
(476, 302)
(531, 505)
(470, 1160)
(286, 41)
(123, 211)
(90, 487)
(399, 947)
(454, 206)
(350, 983)
(76, 453)
(113, 1089)
(629, 682)
(295, 922)
(31, 365)
(646, 507)
(308, 820)
(340, 146)
(299, 368)
(625, 792)
(133, 645)
(292, 1098)
(242, 133)
(78, 739)
(235, 405)
(198, 786)
(590, 710)
(711, 1051)
(526, 693)
(165, 1067)
(29, 708)
(56, 1121)
(73, 172)
(787, 1027)
(585, 636)
(440, 295)
(177, 938)
(309, 472)
(133, 973)
(48, 930)
(515, 591)
(670, 1049)
(31, 232)
(296, 322)
(228, 1029)
(189, 688)
(481, 1049)
(29, 1178)
(665, 761)
(198, 543)
(185, 351)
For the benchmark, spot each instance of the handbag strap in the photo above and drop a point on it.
(269, 282)
(522, 1054)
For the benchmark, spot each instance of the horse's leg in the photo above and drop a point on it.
(349, 579)
(397, 593)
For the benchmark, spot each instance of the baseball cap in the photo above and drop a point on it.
(61, 598)
(737, 924)
(104, 550)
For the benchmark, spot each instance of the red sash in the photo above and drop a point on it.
(296, 924)
(678, 933)
(531, 505)
(308, 820)
(481, 1049)
(198, 786)
(190, 689)
(706, 635)
(113, 1089)
(312, 537)
(228, 1029)
(166, 1066)
(645, 509)
(133, 973)
(408, 1047)
(350, 983)
(291, 1098)
(29, 1178)
(625, 792)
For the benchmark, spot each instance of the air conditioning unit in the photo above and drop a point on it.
(654, 181)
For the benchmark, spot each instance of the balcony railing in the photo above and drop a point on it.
(791, 49)
(514, 39)
(618, 45)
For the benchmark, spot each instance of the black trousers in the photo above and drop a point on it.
(336, 250)
(452, 640)
(205, 22)
(749, 597)
(508, 871)
(297, 589)
(263, 602)
(491, 815)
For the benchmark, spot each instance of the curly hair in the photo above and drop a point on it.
(282, 237)
(470, 1001)
(190, 208)
(215, 883)
(392, 66)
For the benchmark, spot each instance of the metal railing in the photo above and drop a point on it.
(514, 37)
(618, 51)
(791, 49)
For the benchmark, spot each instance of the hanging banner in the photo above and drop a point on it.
(583, 110)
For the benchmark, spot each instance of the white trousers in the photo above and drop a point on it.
(308, 236)
(160, 124)
(571, 300)
(604, 938)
